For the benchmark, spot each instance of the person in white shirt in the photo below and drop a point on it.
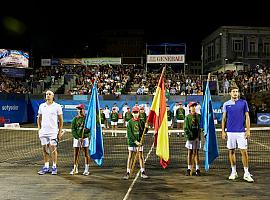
(115, 107)
(124, 109)
(147, 108)
(175, 107)
(198, 108)
(50, 124)
(107, 113)
(186, 108)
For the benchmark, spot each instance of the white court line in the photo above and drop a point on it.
(138, 173)
(265, 146)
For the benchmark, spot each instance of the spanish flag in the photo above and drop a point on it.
(158, 117)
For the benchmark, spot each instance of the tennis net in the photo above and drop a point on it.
(21, 147)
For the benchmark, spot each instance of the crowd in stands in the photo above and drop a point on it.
(255, 79)
(122, 79)
(45, 76)
(176, 84)
(111, 79)
(12, 85)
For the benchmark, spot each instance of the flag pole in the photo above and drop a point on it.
(137, 152)
(144, 131)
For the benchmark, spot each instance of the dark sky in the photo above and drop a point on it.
(63, 29)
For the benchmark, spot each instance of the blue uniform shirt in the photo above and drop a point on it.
(235, 115)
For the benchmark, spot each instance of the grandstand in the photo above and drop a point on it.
(125, 83)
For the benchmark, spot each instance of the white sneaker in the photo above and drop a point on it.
(143, 175)
(86, 173)
(74, 171)
(247, 177)
(233, 176)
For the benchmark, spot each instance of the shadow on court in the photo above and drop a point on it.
(25, 183)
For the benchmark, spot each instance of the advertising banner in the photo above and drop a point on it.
(70, 61)
(101, 61)
(263, 118)
(14, 111)
(69, 107)
(46, 62)
(166, 58)
(13, 72)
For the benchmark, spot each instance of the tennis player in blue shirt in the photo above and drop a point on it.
(235, 118)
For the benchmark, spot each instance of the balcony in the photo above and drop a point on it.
(252, 54)
(238, 54)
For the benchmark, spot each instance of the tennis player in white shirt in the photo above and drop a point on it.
(50, 124)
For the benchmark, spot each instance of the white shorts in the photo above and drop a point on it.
(135, 148)
(235, 140)
(85, 143)
(114, 123)
(191, 144)
(48, 140)
(180, 121)
(170, 123)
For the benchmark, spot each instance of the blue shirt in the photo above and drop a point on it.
(235, 111)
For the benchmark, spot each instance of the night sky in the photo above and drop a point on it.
(62, 30)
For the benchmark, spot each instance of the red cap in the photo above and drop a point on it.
(80, 106)
(192, 103)
(135, 109)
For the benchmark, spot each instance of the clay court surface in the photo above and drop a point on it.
(25, 183)
(20, 159)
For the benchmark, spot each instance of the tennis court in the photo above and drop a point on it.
(21, 158)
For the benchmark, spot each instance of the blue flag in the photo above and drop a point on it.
(96, 149)
(207, 123)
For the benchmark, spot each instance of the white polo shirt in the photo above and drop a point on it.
(49, 122)
(107, 113)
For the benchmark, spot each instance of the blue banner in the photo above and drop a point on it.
(263, 118)
(13, 72)
(14, 111)
(69, 107)
(217, 110)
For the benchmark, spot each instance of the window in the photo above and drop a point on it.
(210, 52)
(252, 47)
(237, 45)
(266, 48)
(217, 48)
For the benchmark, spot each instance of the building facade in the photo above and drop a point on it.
(249, 46)
(127, 44)
(194, 67)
